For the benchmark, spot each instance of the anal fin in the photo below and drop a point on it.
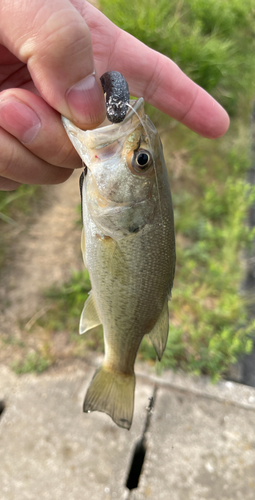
(89, 316)
(159, 333)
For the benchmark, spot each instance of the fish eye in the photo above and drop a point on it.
(141, 161)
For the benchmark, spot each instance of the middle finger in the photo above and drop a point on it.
(20, 165)
(38, 127)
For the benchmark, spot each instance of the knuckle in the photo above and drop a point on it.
(64, 34)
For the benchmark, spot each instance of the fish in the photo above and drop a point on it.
(128, 247)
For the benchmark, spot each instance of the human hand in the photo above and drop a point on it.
(51, 57)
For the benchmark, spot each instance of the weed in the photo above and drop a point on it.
(12, 206)
(16, 201)
(209, 327)
(33, 362)
(13, 341)
(67, 303)
(211, 40)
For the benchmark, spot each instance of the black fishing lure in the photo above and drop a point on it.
(117, 95)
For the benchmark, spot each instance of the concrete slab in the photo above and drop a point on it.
(51, 450)
(201, 441)
(201, 444)
(224, 391)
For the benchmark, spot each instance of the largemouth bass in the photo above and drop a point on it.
(128, 246)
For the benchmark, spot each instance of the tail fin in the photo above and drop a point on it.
(113, 393)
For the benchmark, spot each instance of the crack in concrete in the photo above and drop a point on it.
(139, 452)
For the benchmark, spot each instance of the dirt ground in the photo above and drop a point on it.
(44, 251)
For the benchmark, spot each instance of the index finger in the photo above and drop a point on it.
(164, 85)
(155, 77)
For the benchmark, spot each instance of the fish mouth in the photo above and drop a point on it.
(135, 107)
(107, 132)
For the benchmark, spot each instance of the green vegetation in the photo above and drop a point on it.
(66, 306)
(33, 362)
(213, 42)
(70, 300)
(12, 205)
(209, 326)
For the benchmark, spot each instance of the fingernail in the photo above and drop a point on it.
(19, 120)
(86, 101)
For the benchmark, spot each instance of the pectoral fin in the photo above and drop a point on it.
(158, 335)
(89, 316)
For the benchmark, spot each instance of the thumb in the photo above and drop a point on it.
(54, 41)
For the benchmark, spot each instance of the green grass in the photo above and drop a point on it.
(211, 40)
(70, 300)
(209, 327)
(14, 205)
(33, 362)
(12, 202)
(67, 302)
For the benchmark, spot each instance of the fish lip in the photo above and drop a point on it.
(136, 105)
